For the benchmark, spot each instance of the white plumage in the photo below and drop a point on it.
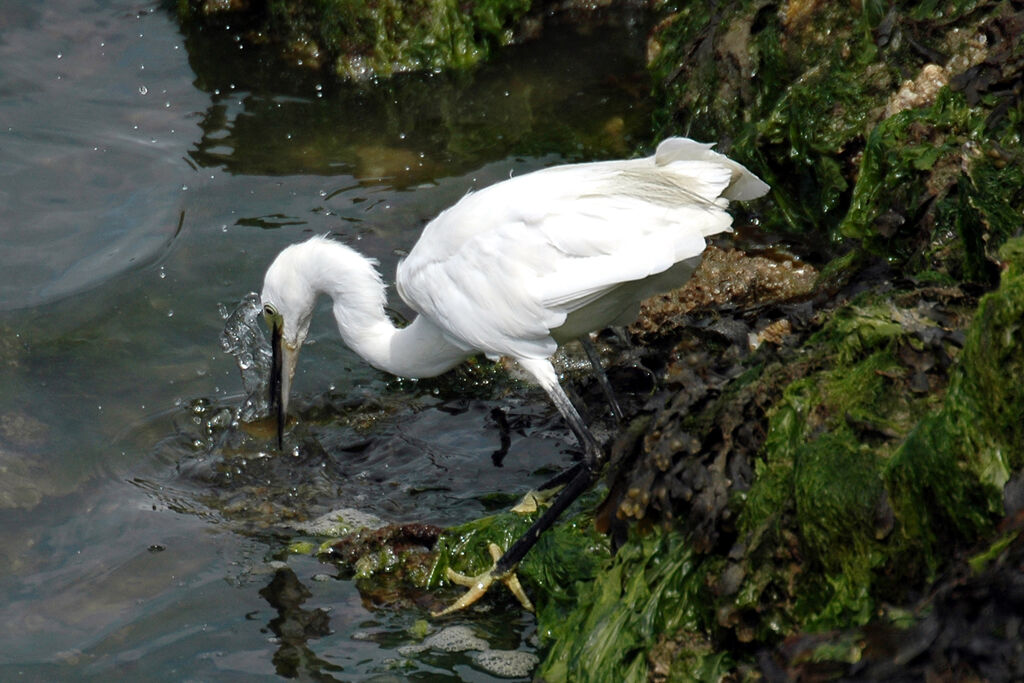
(517, 268)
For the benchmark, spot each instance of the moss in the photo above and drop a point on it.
(821, 485)
(946, 479)
(791, 96)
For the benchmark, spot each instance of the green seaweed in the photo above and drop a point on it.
(654, 587)
(565, 556)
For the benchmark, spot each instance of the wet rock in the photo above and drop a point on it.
(21, 430)
(729, 277)
(398, 549)
(24, 481)
(341, 522)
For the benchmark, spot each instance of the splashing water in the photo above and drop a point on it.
(243, 338)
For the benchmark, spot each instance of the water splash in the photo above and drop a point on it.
(243, 338)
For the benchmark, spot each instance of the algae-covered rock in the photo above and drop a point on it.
(361, 40)
(860, 488)
(653, 588)
(884, 127)
(947, 477)
(357, 39)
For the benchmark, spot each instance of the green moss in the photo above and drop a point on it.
(946, 479)
(792, 100)
(821, 487)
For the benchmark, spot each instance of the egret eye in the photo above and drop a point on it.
(269, 311)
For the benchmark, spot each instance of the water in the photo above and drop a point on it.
(147, 178)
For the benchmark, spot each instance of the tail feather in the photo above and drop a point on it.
(743, 184)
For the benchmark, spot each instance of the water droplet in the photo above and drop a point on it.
(170, 313)
(142, 91)
(60, 56)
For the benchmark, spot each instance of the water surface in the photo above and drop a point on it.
(147, 179)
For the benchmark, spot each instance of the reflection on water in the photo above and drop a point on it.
(147, 180)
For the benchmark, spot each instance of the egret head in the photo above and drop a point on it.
(287, 300)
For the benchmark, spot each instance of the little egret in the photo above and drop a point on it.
(514, 270)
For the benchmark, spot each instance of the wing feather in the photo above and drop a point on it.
(502, 269)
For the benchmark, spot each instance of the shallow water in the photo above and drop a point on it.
(147, 178)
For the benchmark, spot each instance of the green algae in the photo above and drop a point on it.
(564, 557)
(821, 481)
(847, 512)
(801, 97)
(948, 475)
(653, 588)
(792, 100)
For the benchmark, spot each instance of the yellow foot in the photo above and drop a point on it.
(534, 500)
(479, 584)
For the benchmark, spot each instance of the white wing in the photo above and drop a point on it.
(504, 269)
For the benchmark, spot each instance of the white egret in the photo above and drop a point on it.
(515, 270)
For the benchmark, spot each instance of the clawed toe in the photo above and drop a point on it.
(479, 584)
(535, 500)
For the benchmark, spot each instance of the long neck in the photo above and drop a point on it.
(352, 281)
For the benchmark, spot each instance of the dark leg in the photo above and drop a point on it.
(579, 478)
(561, 478)
(602, 378)
(582, 480)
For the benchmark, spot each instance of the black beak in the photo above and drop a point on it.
(277, 398)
